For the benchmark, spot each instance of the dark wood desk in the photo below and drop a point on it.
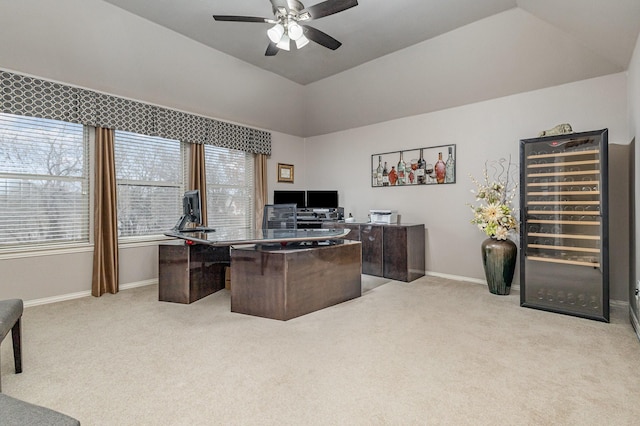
(317, 269)
(284, 283)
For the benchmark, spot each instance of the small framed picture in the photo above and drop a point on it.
(285, 173)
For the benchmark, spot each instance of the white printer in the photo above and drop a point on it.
(384, 216)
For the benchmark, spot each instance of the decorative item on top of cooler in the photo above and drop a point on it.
(560, 129)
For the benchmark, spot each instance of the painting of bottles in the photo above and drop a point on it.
(421, 166)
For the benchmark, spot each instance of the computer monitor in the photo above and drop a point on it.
(289, 197)
(322, 199)
(191, 212)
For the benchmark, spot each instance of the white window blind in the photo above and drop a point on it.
(230, 186)
(150, 184)
(44, 182)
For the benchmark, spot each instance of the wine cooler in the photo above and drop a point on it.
(564, 254)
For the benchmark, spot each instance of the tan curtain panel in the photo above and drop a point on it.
(105, 252)
(198, 177)
(261, 190)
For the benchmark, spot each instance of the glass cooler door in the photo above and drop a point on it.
(563, 197)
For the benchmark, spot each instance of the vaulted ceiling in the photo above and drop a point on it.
(407, 57)
(376, 28)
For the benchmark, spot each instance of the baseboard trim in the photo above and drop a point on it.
(55, 299)
(618, 303)
(136, 284)
(462, 278)
(455, 277)
(80, 294)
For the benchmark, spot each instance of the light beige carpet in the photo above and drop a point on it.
(433, 351)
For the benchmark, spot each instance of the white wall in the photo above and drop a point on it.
(504, 54)
(286, 149)
(634, 129)
(481, 131)
(634, 92)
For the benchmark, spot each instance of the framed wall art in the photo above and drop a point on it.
(414, 167)
(285, 173)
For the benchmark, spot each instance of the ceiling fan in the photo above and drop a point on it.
(290, 17)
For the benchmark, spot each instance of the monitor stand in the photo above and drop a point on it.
(182, 223)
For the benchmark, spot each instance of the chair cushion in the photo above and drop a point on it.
(10, 311)
(14, 412)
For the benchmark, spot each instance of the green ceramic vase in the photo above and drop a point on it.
(499, 261)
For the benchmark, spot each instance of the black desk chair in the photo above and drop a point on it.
(280, 216)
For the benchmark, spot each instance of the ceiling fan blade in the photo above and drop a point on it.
(240, 18)
(319, 37)
(272, 49)
(329, 7)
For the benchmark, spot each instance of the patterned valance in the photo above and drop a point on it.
(101, 110)
(185, 127)
(22, 95)
(39, 98)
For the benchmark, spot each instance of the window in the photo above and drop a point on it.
(44, 182)
(229, 187)
(150, 182)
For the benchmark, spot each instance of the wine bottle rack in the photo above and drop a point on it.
(563, 199)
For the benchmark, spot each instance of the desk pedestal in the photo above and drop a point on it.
(190, 272)
(284, 283)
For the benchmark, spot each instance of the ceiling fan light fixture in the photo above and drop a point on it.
(275, 33)
(302, 42)
(284, 43)
(295, 31)
(288, 23)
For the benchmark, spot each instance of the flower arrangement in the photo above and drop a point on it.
(495, 215)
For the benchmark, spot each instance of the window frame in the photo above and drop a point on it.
(249, 219)
(30, 249)
(151, 239)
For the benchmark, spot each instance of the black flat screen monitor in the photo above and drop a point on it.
(322, 199)
(191, 206)
(191, 212)
(289, 197)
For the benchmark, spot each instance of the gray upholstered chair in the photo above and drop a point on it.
(280, 216)
(14, 412)
(10, 318)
